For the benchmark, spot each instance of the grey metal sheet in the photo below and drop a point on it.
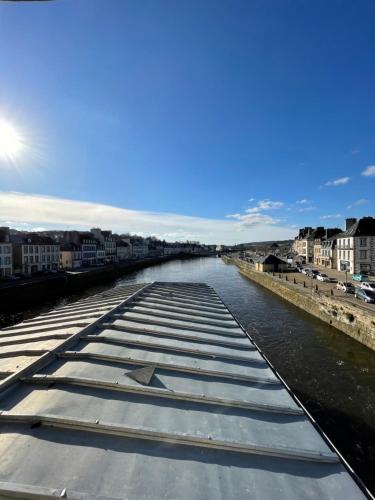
(142, 322)
(184, 362)
(182, 300)
(194, 384)
(170, 328)
(240, 342)
(169, 303)
(165, 416)
(185, 321)
(183, 315)
(174, 344)
(137, 469)
(214, 421)
(193, 313)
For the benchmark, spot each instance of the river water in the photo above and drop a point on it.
(333, 375)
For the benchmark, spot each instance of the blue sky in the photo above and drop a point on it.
(201, 120)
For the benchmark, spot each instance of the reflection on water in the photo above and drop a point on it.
(333, 375)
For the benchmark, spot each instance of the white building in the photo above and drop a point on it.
(107, 239)
(33, 253)
(139, 248)
(123, 250)
(100, 254)
(356, 246)
(6, 260)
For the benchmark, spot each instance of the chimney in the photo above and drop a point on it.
(349, 223)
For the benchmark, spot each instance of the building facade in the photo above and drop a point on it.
(139, 248)
(356, 246)
(33, 253)
(123, 250)
(6, 254)
(87, 245)
(70, 256)
(109, 241)
(328, 257)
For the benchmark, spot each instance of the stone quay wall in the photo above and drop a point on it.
(356, 321)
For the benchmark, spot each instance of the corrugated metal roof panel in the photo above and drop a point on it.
(211, 419)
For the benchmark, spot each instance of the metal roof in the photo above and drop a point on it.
(154, 391)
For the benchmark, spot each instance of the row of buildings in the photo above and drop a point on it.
(30, 253)
(352, 250)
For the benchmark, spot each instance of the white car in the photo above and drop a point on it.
(345, 287)
(323, 277)
(367, 285)
(305, 270)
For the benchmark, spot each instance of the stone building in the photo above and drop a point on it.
(6, 258)
(271, 263)
(70, 256)
(33, 253)
(356, 246)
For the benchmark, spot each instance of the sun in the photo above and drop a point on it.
(11, 143)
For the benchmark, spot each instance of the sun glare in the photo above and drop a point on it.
(11, 143)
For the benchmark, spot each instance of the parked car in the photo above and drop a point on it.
(346, 287)
(20, 275)
(305, 270)
(360, 277)
(313, 273)
(367, 285)
(323, 277)
(367, 295)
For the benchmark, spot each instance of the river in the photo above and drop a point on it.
(333, 375)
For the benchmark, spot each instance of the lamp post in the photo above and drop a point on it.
(345, 264)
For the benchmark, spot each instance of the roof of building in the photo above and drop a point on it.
(121, 243)
(82, 237)
(69, 247)
(271, 259)
(161, 394)
(363, 227)
(33, 239)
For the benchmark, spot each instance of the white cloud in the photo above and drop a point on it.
(301, 202)
(252, 210)
(338, 182)
(264, 205)
(59, 213)
(251, 200)
(359, 202)
(332, 216)
(251, 220)
(270, 205)
(369, 172)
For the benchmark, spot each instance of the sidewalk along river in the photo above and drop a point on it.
(332, 374)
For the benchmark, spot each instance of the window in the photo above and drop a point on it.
(363, 242)
(363, 254)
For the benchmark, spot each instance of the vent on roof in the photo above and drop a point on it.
(142, 375)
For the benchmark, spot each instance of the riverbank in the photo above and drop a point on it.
(32, 292)
(352, 319)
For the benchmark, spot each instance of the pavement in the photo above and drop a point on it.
(329, 289)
